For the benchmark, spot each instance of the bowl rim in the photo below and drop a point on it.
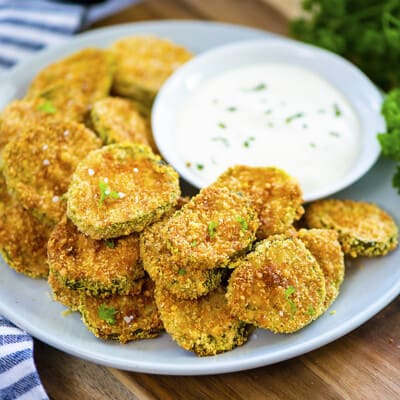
(369, 150)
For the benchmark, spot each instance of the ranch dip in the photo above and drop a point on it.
(269, 114)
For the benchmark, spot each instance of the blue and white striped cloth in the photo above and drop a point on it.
(27, 26)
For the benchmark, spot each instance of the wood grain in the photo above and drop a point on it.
(364, 365)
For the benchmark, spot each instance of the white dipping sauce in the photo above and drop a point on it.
(269, 115)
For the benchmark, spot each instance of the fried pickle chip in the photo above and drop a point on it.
(143, 63)
(205, 325)
(279, 286)
(120, 189)
(118, 120)
(21, 113)
(276, 197)
(68, 297)
(364, 229)
(324, 245)
(183, 281)
(123, 318)
(214, 227)
(23, 239)
(39, 162)
(72, 85)
(95, 267)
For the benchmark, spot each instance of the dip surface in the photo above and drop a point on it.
(269, 114)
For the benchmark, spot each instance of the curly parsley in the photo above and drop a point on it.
(107, 314)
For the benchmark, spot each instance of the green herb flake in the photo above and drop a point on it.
(193, 244)
(212, 226)
(247, 142)
(221, 125)
(243, 223)
(257, 88)
(231, 109)
(107, 314)
(221, 139)
(182, 271)
(311, 311)
(313, 145)
(109, 243)
(200, 167)
(337, 110)
(333, 312)
(289, 119)
(105, 192)
(288, 293)
(47, 107)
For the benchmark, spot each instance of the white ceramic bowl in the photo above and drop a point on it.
(359, 91)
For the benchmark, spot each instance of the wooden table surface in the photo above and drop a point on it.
(365, 364)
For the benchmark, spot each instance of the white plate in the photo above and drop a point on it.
(365, 291)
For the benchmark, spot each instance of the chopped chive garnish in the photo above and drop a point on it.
(109, 243)
(47, 107)
(107, 314)
(243, 223)
(289, 119)
(231, 109)
(338, 111)
(222, 140)
(200, 167)
(257, 88)
(212, 226)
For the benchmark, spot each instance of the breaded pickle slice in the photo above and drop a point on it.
(364, 229)
(96, 267)
(214, 227)
(68, 297)
(21, 113)
(120, 189)
(39, 162)
(143, 63)
(23, 239)
(205, 325)
(279, 286)
(72, 85)
(324, 245)
(276, 196)
(123, 318)
(183, 281)
(118, 120)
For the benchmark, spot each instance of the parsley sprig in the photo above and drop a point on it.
(107, 314)
(288, 296)
(105, 192)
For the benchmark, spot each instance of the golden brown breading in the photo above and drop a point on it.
(143, 63)
(205, 325)
(215, 226)
(276, 197)
(23, 239)
(279, 286)
(22, 113)
(39, 162)
(118, 120)
(324, 245)
(71, 86)
(95, 267)
(364, 229)
(181, 280)
(123, 318)
(68, 297)
(120, 189)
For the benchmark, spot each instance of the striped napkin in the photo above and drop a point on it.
(27, 26)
